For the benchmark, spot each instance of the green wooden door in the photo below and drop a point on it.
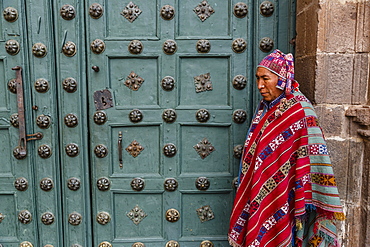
(14, 173)
(171, 90)
(143, 106)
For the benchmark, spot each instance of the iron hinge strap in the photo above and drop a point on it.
(22, 144)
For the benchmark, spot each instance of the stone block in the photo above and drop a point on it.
(305, 68)
(302, 5)
(361, 78)
(338, 150)
(337, 28)
(349, 231)
(301, 35)
(332, 120)
(363, 27)
(359, 114)
(322, 26)
(366, 195)
(355, 169)
(306, 28)
(334, 78)
(312, 21)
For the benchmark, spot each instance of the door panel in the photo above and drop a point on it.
(148, 161)
(219, 69)
(46, 161)
(117, 27)
(146, 68)
(70, 79)
(18, 213)
(216, 26)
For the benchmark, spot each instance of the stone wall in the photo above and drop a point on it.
(332, 67)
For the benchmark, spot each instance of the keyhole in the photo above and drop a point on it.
(103, 101)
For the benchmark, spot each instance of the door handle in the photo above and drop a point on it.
(22, 143)
(120, 149)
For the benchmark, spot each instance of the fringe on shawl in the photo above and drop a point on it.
(233, 244)
(323, 217)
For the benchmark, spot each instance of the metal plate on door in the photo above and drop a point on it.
(97, 46)
(138, 184)
(169, 150)
(21, 184)
(12, 47)
(43, 121)
(169, 115)
(239, 82)
(25, 217)
(204, 148)
(203, 83)
(266, 8)
(103, 99)
(105, 244)
(101, 151)
(135, 47)
(172, 243)
(240, 10)
(100, 117)
(25, 244)
(204, 10)
(239, 45)
(67, 12)
(46, 184)
(206, 243)
(266, 44)
(202, 183)
(103, 218)
(134, 81)
(14, 120)
(75, 219)
(103, 184)
(167, 12)
(47, 218)
(172, 215)
(131, 12)
(41, 85)
(12, 85)
(96, 10)
(136, 215)
(238, 150)
(73, 184)
(10, 14)
(170, 184)
(239, 116)
(39, 50)
(203, 46)
(69, 49)
(205, 213)
(138, 244)
(134, 148)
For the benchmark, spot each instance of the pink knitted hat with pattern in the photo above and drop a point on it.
(283, 66)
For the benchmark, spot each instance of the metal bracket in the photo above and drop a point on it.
(22, 144)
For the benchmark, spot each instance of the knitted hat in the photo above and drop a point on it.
(283, 66)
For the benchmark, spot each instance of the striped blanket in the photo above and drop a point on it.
(287, 194)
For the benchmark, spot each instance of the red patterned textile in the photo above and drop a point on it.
(286, 180)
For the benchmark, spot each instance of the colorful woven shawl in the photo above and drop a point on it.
(287, 194)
